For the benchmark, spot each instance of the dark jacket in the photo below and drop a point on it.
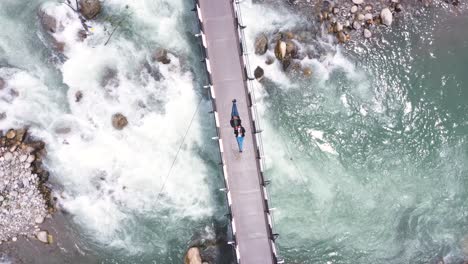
(236, 122)
(242, 132)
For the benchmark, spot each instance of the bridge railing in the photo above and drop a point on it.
(250, 81)
(257, 128)
(231, 232)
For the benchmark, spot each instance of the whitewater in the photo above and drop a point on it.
(367, 156)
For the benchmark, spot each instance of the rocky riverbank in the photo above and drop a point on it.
(25, 200)
(347, 20)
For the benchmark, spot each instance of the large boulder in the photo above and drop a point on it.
(90, 8)
(386, 16)
(261, 44)
(280, 50)
(119, 121)
(193, 256)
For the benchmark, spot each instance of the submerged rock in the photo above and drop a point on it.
(193, 256)
(119, 121)
(261, 44)
(160, 55)
(48, 22)
(78, 96)
(386, 16)
(307, 71)
(90, 8)
(2, 83)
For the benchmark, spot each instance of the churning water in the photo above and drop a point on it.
(368, 157)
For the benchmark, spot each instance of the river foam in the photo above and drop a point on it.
(116, 184)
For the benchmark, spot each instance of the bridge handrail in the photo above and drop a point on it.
(256, 118)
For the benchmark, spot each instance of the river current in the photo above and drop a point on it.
(368, 157)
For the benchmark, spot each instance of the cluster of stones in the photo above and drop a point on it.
(87, 9)
(357, 15)
(24, 198)
(286, 50)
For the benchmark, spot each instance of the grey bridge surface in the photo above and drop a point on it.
(222, 37)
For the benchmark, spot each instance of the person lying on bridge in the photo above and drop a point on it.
(239, 132)
(235, 118)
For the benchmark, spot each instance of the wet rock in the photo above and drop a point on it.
(160, 55)
(119, 121)
(342, 37)
(280, 50)
(269, 60)
(261, 44)
(338, 27)
(2, 115)
(78, 96)
(386, 16)
(20, 134)
(42, 236)
(367, 33)
(48, 22)
(291, 49)
(2, 83)
(11, 134)
(307, 71)
(398, 8)
(193, 256)
(90, 8)
(82, 35)
(259, 73)
(289, 35)
(358, 2)
(110, 77)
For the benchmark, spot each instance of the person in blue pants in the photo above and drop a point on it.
(236, 123)
(235, 118)
(239, 132)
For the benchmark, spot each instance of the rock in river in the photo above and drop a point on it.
(42, 236)
(258, 73)
(90, 8)
(367, 33)
(119, 121)
(193, 256)
(161, 56)
(261, 44)
(386, 16)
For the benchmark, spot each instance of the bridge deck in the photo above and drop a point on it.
(246, 194)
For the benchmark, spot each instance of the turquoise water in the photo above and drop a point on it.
(370, 164)
(368, 158)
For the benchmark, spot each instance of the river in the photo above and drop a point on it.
(368, 157)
